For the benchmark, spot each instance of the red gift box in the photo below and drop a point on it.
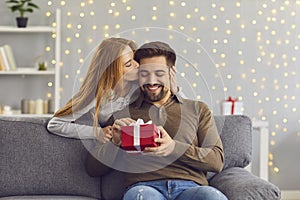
(137, 137)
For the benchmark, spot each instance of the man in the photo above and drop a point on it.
(190, 145)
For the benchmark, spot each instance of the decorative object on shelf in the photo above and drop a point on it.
(41, 63)
(7, 110)
(7, 59)
(42, 66)
(25, 106)
(38, 106)
(232, 107)
(22, 6)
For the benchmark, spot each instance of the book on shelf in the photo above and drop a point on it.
(7, 59)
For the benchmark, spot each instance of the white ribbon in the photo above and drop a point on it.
(136, 133)
(136, 137)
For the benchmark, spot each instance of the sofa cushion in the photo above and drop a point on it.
(236, 136)
(33, 161)
(238, 183)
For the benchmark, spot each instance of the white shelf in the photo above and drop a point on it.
(28, 71)
(30, 29)
(13, 31)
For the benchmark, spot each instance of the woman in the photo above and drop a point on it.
(109, 83)
(109, 86)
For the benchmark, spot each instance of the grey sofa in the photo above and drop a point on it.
(35, 164)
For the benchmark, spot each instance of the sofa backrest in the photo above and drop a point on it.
(35, 162)
(236, 135)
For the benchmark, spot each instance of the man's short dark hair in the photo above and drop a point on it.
(153, 49)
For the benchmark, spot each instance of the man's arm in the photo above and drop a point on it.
(206, 154)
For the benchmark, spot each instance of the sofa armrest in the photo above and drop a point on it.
(238, 183)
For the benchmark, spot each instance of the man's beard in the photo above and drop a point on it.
(155, 97)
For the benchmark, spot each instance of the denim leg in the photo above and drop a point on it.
(201, 193)
(142, 192)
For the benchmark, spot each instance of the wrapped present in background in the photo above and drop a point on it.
(139, 135)
(232, 107)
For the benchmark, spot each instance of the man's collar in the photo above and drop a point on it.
(138, 103)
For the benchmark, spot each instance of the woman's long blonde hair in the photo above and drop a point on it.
(105, 70)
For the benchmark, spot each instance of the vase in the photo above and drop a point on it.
(22, 22)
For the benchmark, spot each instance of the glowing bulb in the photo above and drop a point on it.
(69, 26)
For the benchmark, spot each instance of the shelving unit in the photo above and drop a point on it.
(32, 72)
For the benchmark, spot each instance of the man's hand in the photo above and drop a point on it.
(116, 129)
(167, 144)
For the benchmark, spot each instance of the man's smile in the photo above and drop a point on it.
(152, 88)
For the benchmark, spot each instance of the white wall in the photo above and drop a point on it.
(245, 48)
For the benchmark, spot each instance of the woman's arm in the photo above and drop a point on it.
(76, 125)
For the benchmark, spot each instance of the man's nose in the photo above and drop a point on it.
(152, 79)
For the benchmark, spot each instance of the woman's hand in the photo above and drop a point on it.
(104, 134)
(116, 128)
(174, 89)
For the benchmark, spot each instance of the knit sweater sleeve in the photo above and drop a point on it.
(76, 125)
(207, 153)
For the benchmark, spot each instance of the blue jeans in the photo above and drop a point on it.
(172, 190)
